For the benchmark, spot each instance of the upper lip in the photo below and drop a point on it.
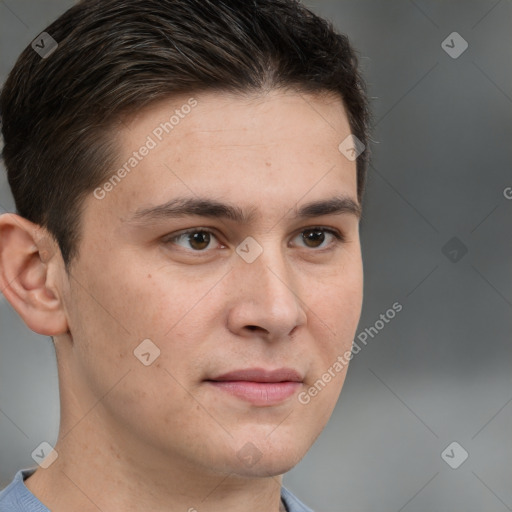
(261, 375)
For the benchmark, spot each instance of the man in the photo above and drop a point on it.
(188, 178)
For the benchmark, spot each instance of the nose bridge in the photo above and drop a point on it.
(268, 298)
(271, 270)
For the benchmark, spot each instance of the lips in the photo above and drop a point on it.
(259, 386)
(260, 375)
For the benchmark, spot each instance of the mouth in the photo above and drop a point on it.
(258, 386)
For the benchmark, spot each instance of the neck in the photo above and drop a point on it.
(89, 476)
(99, 466)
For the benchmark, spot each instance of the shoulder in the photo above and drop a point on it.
(17, 498)
(293, 504)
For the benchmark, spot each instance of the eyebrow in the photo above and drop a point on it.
(206, 207)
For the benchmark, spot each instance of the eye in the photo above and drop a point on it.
(313, 238)
(200, 240)
(196, 239)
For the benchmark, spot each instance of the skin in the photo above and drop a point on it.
(159, 437)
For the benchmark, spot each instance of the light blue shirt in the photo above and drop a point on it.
(17, 498)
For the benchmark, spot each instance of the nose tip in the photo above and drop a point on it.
(269, 302)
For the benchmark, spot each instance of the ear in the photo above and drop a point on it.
(31, 269)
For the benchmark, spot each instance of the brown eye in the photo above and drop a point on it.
(198, 240)
(320, 238)
(313, 237)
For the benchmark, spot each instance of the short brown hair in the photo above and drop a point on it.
(117, 56)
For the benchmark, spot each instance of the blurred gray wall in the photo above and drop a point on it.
(437, 238)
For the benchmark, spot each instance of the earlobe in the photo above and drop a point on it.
(29, 265)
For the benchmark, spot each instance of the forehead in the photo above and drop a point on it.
(259, 150)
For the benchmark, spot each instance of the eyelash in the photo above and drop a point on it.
(338, 236)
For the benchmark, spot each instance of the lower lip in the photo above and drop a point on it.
(259, 393)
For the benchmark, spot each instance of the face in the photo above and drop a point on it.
(243, 307)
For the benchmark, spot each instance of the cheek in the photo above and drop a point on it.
(107, 330)
(135, 305)
(335, 310)
(110, 315)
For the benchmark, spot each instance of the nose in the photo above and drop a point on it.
(265, 297)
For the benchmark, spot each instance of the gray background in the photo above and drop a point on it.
(440, 371)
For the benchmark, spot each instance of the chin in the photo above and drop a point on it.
(272, 459)
(265, 469)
